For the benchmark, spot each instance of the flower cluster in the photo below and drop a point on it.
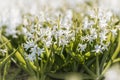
(48, 32)
(97, 29)
(50, 36)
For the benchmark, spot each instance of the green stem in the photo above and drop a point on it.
(103, 61)
(0, 74)
(7, 58)
(97, 65)
(5, 70)
(90, 61)
(89, 71)
(116, 60)
(37, 63)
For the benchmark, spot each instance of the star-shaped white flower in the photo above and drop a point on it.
(98, 49)
(82, 47)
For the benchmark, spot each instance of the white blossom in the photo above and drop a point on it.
(102, 36)
(103, 23)
(31, 57)
(114, 32)
(105, 46)
(98, 49)
(36, 50)
(87, 24)
(29, 44)
(3, 51)
(93, 33)
(82, 47)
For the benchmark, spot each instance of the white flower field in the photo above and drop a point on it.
(59, 39)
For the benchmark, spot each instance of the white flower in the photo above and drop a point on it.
(98, 49)
(47, 42)
(64, 36)
(93, 33)
(105, 46)
(92, 30)
(83, 38)
(29, 44)
(33, 50)
(89, 38)
(25, 22)
(87, 24)
(24, 31)
(92, 14)
(11, 32)
(36, 50)
(82, 47)
(40, 51)
(3, 51)
(109, 14)
(102, 36)
(103, 23)
(114, 32)
(31, 57)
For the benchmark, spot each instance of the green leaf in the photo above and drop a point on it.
(7, 58)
